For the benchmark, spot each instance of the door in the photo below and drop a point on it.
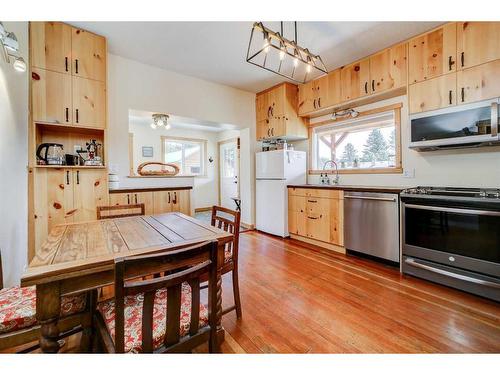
(307, 98)
(89, 55)
(354, 79)
(296, 214)
(477, 43)
(479, 83)
(51, 96)
(388, 69)
(89, 102)
(90, 188)
(263, 129)
(51, 46)
(432, 54)
(119, 199)
(228, 173)
(435, 93)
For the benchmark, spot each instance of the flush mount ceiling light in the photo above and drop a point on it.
(10, 47)
(160, 121)
(345, 113)
(270, 50)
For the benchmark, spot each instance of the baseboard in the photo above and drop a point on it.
(325, 245)
(203, 209)
(247, 226)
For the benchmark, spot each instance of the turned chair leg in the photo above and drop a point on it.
(87, 340)
(236, 292)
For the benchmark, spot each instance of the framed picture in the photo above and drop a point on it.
(147, 151)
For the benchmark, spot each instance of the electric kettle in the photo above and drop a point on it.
(50, 154)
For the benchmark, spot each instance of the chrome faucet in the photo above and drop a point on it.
(325, 179)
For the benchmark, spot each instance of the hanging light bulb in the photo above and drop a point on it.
(308, 68)
(295, 59)
(153, 125)
(267, 42)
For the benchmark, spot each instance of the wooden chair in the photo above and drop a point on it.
(230, 222)
(163, 314)
(125, 210)
(19, 329)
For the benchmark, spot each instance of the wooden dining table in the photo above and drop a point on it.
(79, 257)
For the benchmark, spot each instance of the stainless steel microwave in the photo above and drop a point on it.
(468, 125)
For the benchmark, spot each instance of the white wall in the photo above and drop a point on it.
(133, 85)
(205, 187)
(459, 168)
(14, 160)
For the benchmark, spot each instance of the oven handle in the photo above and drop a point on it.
(412, 262)
(454, 210)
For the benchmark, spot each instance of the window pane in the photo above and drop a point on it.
(187, 155)
(192, 155)
(229, 162)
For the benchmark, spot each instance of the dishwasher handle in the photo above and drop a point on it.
(370, 198)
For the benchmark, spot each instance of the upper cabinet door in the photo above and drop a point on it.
(51, 97)
(388, 69)
(330, 93)
(89, 102)
(355, 80)
(51, 46)
(432, 54)
(477, 43)
(277, 100)
(439, 92)
(89, 55)
(479, 83)
(307, 98)
(261, 106)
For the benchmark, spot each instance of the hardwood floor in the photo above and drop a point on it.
(304, 300)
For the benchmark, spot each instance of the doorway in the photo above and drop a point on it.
(229, 167)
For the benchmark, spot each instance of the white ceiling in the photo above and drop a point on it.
(216, 51)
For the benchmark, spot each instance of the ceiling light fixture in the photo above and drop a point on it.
(282, 56)
(10, 48)
(160, 120)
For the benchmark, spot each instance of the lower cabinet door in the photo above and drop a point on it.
(145, 197)
(90, 188)
(119, 199)
(297, 215)
(181, 201)
(318, 226)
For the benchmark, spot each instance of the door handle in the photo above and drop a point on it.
(78, 177)
(77, 115)
(450, 98)
(66, 63)
(414, 263)
(67, 114)
(319, 102)
(168, 197)
(312, 201)
(175, 198)
(76, 66)
(462, 59)
(450, 62)
(373, 85)
(67, 177)
(314, 103)
(463, 94)
(128, 198)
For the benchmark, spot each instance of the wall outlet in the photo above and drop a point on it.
(409, 173)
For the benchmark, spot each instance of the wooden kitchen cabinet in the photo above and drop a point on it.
(479, 83)
(388, 69)
(436, 93)
(89, 102)
(307, 98)
(432, 54)
(261, 106)
(90, 190)
(181, 201)
(171, 200)
(477, 43)
(320, 93)
(355, 80)
(133, 197)
(51, 46)
(51, 96)
(88, 55)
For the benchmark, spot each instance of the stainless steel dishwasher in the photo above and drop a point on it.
(371, 224)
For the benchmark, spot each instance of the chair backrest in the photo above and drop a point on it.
(117, 211)
(186, 264)
(229, 221)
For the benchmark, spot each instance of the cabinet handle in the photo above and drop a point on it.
(77, 115)
(128, 198)
(272, 110)
(78, 177)
(76, 66)
(449, 96)
(67, 114)
(463, 94)
(312, 201)
(67, 177)
(268, 132)
(66, 63)
(366, 87)
(313, 218)
(168, 197)
(462, 59)
(319, 102)
(272, 132)
(450, 62)
(175, 198)
(373, 85)
(135, 198)
(314, 103)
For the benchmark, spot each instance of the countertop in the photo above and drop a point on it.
(375, 189)
(132, 189)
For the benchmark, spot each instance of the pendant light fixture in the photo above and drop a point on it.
(270, 50)
(160, 121)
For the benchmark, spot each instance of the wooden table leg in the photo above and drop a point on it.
(220, 261)
(48, 309)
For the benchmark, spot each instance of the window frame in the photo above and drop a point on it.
(203, 158)
(397, 169)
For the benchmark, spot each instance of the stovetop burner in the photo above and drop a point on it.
(453, 192)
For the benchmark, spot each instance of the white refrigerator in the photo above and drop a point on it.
(274, 171)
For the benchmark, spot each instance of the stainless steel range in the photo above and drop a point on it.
(452, 236)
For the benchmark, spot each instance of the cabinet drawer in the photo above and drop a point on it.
(316, 193)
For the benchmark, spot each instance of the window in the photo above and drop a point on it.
(365, 144)
(187, 154)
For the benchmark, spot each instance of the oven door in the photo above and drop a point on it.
(456, 236)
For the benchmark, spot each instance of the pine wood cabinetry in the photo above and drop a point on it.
(171, 200)
(432, 54)
(64, 195)
(316, 215)
(477, 43)
(479, 83)
(133, 197)
(51, 97)
(388, 69)
(51, 46)
(439, 92)
(276, 112)
(355, 80)
(89, 102)
(320, 93)
(89, 55)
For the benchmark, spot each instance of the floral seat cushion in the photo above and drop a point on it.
(133, 317)
(18, 307)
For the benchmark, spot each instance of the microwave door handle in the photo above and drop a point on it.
(412, 262)
(494, 119)
(453, 210)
